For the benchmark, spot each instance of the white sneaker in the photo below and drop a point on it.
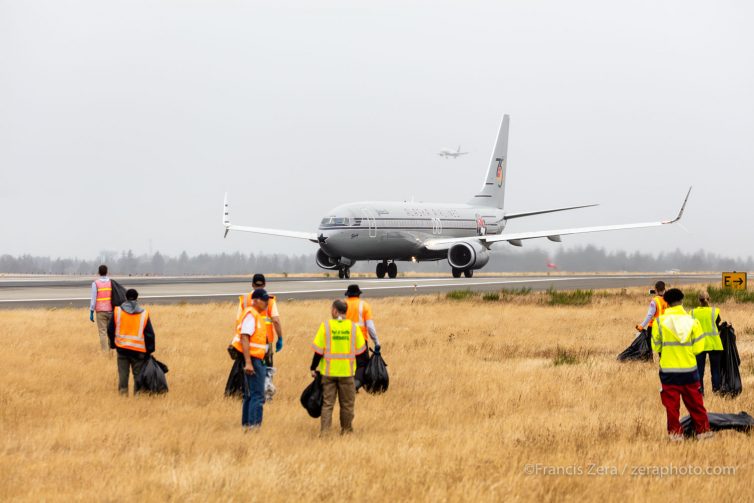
(675, 437)
(705, 436)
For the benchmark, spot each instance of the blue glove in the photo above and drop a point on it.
(377, 348)
(91, 316)
(279, 344)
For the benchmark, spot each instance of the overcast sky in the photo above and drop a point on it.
(122, 123)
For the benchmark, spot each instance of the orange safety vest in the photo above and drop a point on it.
(661, 306)
(355, 313)
(244, 302)
(129, 329)
(104, 301)
(258, 340)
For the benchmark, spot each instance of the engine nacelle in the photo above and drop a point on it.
(325, 261)
(468, 255)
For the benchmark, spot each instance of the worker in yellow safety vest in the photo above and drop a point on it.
(709, 318)
(132, 336)
(339, 348)
(273, 326)
(251, 341)
(656, 307)
(678, 338)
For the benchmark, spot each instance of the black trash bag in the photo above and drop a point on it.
(358, 378)
(742, 422)
(376, 378)
(730, 376)
(312, 397)
(118, 293)
(236, 384)
(152, 377)
(640, 350)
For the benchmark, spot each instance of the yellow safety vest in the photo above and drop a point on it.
(706, 317)
(338, 341)
(678, 338)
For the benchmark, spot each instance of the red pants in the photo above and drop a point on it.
(671, 398)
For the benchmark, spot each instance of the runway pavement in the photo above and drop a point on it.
(74, 292)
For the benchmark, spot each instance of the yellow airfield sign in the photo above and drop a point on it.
(734, 280)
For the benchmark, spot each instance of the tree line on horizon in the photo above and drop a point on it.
(579, 259)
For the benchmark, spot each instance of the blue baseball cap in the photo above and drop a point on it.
(260, 293)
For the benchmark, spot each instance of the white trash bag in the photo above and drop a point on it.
(269, 388)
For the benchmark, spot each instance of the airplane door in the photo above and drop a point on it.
(436, 226)
(371, 222)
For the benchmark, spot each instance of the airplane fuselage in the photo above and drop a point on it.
(398, 231)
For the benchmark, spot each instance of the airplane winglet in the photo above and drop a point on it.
(226, 216)
(683, 207)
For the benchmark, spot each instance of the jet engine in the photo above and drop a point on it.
(325, 261)
(468, 255)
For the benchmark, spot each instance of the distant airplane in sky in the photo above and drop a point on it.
(463, 234)
(449, 153)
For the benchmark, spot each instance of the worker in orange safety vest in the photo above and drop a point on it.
(251, 341)
(132, 336)
(101, 305)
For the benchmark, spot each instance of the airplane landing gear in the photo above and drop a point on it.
(344, 273)
(381, 269)
(392, 270)
(468, 273)
(456, 272)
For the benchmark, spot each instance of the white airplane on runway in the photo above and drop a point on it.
(450, 153)
(406, 231)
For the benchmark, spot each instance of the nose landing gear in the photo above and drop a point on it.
(344, 272)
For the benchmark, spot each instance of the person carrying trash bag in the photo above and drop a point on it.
(251, 341)
(339, 348)
(131, 334)
(360, 312)
(272, 321)
(709, 318)
(677, 338)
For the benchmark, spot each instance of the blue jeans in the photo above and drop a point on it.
(714, 364)
(253, 398)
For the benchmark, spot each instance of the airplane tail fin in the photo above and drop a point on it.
(493, 191)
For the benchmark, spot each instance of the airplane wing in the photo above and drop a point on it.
(310, 236)
(509, 216)
(515, 238)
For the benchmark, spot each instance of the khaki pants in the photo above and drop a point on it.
(103, 319)
(345, 390)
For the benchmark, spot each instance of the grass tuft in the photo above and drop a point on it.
(491, 297)
(565, 357)
(569, 298)
(460, 295)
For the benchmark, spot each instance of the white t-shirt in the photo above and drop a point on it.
(248, 325)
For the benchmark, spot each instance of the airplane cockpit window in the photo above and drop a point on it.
(335, 221)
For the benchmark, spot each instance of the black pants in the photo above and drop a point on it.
(714, 365)
(133, 362)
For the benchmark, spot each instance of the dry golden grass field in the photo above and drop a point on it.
(481, 393)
